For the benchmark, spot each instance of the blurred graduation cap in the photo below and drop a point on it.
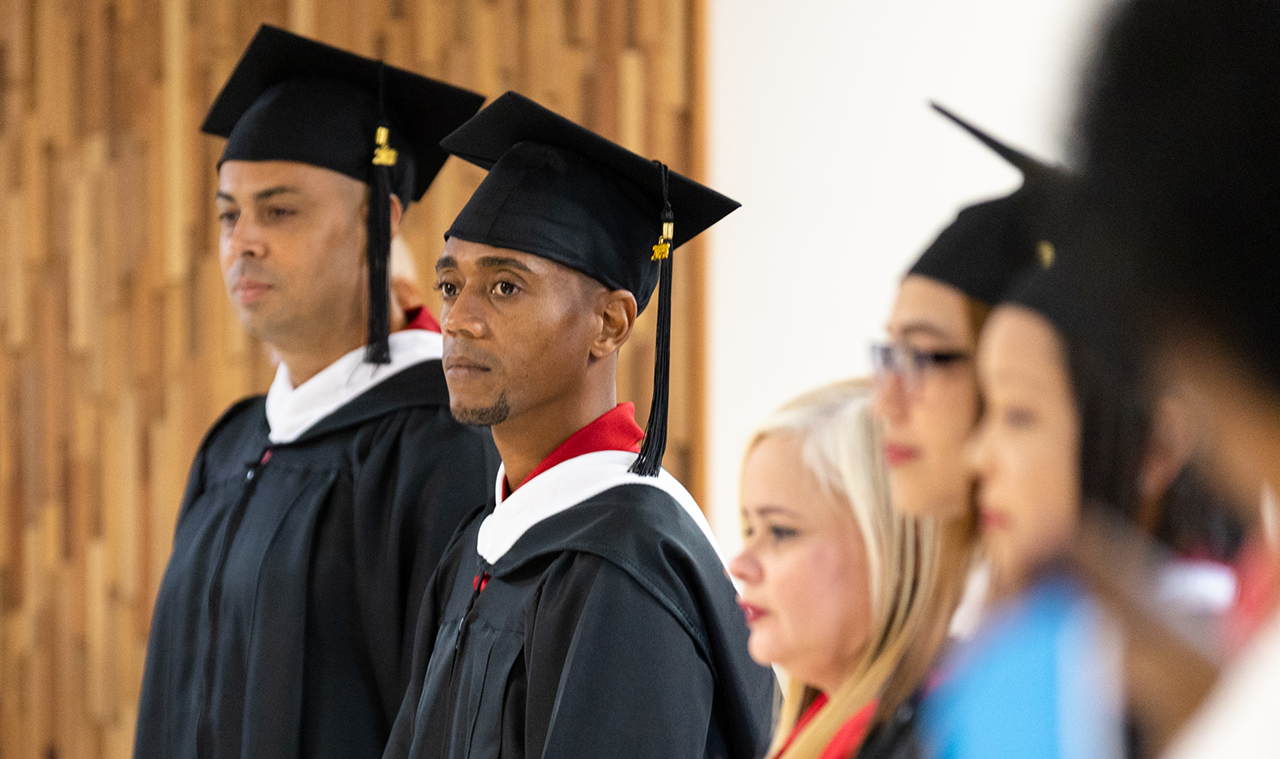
(294, 99)
(990, 243)
(560, 191)
(1059, 294)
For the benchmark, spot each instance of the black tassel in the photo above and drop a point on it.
(377, 349)
(649, 462)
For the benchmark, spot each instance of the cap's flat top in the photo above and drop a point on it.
(422, 110)
(513, 118)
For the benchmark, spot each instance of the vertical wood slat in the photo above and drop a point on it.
(117, 345)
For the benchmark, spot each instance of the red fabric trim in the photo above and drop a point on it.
(847, 739)
(851, 734)
(804, 719)
(614, 430)
(1257, 591)
(421, 318)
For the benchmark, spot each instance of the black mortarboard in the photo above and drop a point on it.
(560, 191)
(990, 243)
(294, 99)
(1058, 293)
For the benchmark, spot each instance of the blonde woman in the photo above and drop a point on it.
(832, 579)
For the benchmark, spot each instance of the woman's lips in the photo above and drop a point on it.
(991, 519)
(897, 455)
(751, 612)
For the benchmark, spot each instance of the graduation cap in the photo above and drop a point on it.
(1066, 295)
(990, 243)
(1055, 292)
(560, 191)
(294, 99)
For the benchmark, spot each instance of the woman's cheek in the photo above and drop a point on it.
(1014, 546)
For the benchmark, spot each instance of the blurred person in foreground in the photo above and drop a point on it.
(832, 578)
(584, 611)
(927, 398)
(1179, 143)
(314, 516)
(1070, 432)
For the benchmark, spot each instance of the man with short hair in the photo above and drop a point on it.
(313, 516)
(585, 611)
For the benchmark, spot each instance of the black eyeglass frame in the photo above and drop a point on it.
(909, 364)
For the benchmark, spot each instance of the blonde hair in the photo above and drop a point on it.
(840, 445)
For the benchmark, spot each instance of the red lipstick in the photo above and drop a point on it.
(897, 455)
(993, 520)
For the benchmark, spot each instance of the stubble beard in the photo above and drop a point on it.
(486, 416)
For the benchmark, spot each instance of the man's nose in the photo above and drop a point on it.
(463, 315)
(245, 239)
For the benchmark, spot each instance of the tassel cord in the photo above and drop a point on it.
(378, 348)
(649, 462)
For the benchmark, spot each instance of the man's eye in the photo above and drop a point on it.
(447, 289)
(506, 289)
(280, 213)
(228, 217)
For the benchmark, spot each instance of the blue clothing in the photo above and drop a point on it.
(1041, 680)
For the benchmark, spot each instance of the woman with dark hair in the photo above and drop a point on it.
(1071, 434)
(1053, 376)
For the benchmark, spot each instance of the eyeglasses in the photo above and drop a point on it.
(909, 364)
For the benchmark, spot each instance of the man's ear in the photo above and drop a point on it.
(617, 309)
(1173, 441)
(397, 210)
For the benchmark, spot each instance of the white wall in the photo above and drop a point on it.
(819, 125)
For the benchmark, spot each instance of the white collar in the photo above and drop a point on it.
(1239, 716)
(566, 485)
(292, 411)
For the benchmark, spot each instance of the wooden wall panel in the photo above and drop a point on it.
(117, 346)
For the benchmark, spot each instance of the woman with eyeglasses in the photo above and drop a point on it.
(832, 579)
(927, 398)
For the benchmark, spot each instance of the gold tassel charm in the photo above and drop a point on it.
(1047, 254)
(663, 248)
(384, 155)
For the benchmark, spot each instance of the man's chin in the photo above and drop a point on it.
(482, 415)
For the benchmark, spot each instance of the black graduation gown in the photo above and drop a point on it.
(896, 737)
(284, 623)
(608, 630)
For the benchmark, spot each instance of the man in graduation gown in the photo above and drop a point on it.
(584, 612)
(314, 516)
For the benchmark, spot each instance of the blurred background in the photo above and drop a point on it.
(118, 348)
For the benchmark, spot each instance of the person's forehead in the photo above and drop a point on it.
(775, 472)
(466, 254)
(1020, 348)
(250, 177)
(926, 306)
